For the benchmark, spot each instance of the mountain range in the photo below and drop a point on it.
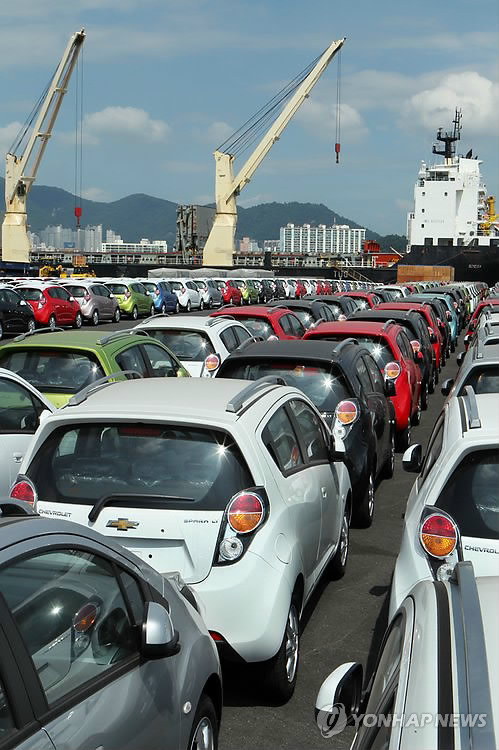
(138, 216)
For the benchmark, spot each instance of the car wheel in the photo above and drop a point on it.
(31, 326)
(416, 417)
(453, 346)
(364, 511)
(95, 318)
(78, 320)
(1, 331)
(338, 564)
(152, 311)
(117, 315)
(163, 309)
(52, 322)
(433, 382)
(177, 306)
(404, 438)
(424, 397)
(241, 301)
(188, 306)
(201, 304)
(389, 467)
(280, 673)
(135, 312)
(204, 733)
(210, 303)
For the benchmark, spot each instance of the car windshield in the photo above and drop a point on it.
(471, 495)
(117, 288)
(193, 346)
(54, 370)
(81, 464)
(324, 385)
(258, 327)
(76, 291)
(31, 294)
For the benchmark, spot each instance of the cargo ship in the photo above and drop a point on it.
(454, 222)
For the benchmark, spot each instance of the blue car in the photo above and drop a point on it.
(164, 298)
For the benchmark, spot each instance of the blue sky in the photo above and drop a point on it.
(165, 81)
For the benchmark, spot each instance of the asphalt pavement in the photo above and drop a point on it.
(345, 621)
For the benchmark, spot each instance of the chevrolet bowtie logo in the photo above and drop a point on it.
(122, 524)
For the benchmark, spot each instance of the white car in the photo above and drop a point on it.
(453, 509)
(201, 344)
(236, 485)
(21, 406)
(210, 293)
(187, 293)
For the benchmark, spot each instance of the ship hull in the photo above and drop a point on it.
(472, 263)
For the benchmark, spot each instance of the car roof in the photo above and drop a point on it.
(288, 349)
(186, 322)
(70, 339)
(476, 414)
(257, 311)
(352, 326)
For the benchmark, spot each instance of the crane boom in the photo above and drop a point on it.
(20, 171)
(219, 247)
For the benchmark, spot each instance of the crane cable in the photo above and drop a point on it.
(338, 110)
(78, 165)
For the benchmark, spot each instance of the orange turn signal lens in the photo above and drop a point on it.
(438, 535)
(212, 362)
(245, 512)
(346, 412)
(85, 618)
(392, 370)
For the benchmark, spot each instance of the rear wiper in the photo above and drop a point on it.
(123, 498)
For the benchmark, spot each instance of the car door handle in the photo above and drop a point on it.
(324, 492)
(18, 457)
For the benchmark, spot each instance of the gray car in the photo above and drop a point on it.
(98, 650)
(96, 301)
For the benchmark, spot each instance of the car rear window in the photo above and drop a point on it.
(377, 348)
(30, 294)
(177, 285)
(483, 380)
(54, 370)
(471, 497)
(258, 326)
(324, 385)
(155, 464)
(77, 291)
(150, 286)
(117, 288)
(305, 317)
(192, 346)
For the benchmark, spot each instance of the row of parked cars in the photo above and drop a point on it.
(205, 509)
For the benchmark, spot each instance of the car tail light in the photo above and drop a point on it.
(430, 331)
(416, 345)
(438, 535)
(24, 490)
(342, 317)
(392, 370)
(439, 323)
(127, 294)
(42, 302)
(273, 337)
(216, 636)
(455, 305)
(87, 297)
(85, 618)
(246, 512)
(448, 315)
(212, 362)
(156, 292)
(346, 412)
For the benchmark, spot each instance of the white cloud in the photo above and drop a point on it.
(319, 115)
(476, 95)
(444, 41)
(181, 166)
(214, 134)
(7, 135)
(255, 200)
(95, 194)
(126, 122)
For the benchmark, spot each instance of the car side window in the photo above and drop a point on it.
(388, 664)
(434, 448)
(131, 359)
(404, 345)
(229, 340)
(162, 365)
(280, 440)
(17, 411)
(12, 297)
(296, 327)
(53, 293)
(363, 375)
(241, 334)
(285, 324)
(6, 719)
(310, 431)
(72, 617)
(63, 294)
(375, 374)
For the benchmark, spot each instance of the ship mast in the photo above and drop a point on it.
(449, 139)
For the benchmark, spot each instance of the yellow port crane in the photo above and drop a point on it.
(490, 217)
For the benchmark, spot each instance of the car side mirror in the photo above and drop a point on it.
(338, 700)
(337, 450)
(460, 358)
(158, 637)
(390, 388)
(412, 460)
(447, 386)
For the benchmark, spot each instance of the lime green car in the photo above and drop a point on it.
(62, 363)
(133, 298)
(248, 290)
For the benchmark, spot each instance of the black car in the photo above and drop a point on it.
(267, 290)
(419, 337)
(339, 304)
(345, 384)
(308, 311)
(16, 315)
(387, 295)
(440, 312)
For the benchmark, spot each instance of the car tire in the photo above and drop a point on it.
(188, 306)
(424, 396)
(404, 438)
(338, 564)
(389, 467)
(152, 311)
(210, 303)
(163, 309)
(78, 320)
(204, 732)
(201, 304)
(177, 307)
(95, 318)
(364, 511)
(1, 331)
(453, 346)
(135, 312)
(117, 315)
(241, 301)
(433, 382)
(416, 417)
(52, 322)
(31, 326)
(279, 673)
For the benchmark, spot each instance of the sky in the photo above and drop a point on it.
(166, 81)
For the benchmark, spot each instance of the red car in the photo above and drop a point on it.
(231, 293)
(370, 299)
(267, 322)
(427, 313)
(390, 346)
(52, 305)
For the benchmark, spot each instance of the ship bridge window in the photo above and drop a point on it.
(446, 193)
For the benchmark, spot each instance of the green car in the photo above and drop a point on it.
(133, 298)
(62, 363)
(248, 290)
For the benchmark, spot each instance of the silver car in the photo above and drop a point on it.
(100, 650)
(96, 301)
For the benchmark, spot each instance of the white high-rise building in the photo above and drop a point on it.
(338, 239)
